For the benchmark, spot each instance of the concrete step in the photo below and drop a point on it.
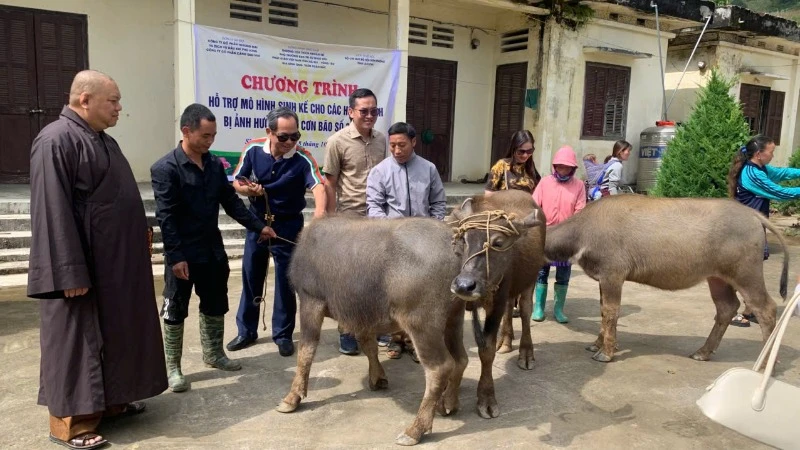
(21, 240)
(15, 239)
(22, 222)
(234, 248)
(14, 254)
(15, 222)
(15, 207)
(13, 267)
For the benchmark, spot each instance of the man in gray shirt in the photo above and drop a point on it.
(404, 184)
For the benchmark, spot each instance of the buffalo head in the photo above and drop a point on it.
(484, 240)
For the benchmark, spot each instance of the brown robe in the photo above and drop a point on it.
(90, 230)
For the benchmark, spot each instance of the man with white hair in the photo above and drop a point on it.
(90, 267)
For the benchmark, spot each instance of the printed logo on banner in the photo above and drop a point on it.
(242, 76)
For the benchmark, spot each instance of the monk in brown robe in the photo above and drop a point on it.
(89, 264)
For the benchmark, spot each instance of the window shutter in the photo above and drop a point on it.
(61, 53)
(593, 101)
(616, 105)
(750, 97)
(17, 63)
(605, 104)
(775, 116)
(415, 106)
(518, 79)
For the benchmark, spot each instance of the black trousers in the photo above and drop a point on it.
(210, 282)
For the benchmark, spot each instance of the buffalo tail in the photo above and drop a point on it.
(785, 271)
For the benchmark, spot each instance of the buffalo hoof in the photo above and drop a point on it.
(505, 348)
(700, 357)
(601, 357)
(404, 439)
(525, 360)
(593, 348)
(446, 408)
(489, 410)
(286, 407)
(382, 383)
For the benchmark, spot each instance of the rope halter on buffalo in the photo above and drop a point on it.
(484, 221)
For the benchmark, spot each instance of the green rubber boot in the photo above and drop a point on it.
(212, 329)
(173, 350)
(560, 296)
(540, 296)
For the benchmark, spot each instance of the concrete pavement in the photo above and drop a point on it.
(644, 399)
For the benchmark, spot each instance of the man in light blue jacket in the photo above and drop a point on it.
(405, 184)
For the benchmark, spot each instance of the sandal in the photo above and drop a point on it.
(751, 317)
(394, 350)
(79, 442)
(740, 321)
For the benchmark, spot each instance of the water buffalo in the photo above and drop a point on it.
(376, 277)
(501, 239)
(670, 244)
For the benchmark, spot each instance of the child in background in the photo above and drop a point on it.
(560, 195)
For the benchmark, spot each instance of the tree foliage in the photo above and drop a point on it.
(698, 158)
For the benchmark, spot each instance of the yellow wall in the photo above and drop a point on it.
(131, 42)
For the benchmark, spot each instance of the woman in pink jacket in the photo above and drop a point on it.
(560, 195)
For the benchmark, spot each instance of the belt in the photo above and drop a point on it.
(282, 217)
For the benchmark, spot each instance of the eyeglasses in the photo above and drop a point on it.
(285, 137)
(524, 152)
(368, 112)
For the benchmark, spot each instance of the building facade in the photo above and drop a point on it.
(472, 71)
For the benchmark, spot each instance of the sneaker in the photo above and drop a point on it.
(348, 344)
(383, 340)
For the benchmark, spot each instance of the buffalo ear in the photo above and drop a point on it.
(464, 210)
(466, 207)
(533, 219)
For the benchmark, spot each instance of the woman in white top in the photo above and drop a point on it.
(612, 175)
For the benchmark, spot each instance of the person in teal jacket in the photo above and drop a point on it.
(753, 182)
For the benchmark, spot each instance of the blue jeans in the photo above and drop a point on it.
(562, 275)
(254, 272)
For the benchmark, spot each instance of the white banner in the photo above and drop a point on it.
(242, 76)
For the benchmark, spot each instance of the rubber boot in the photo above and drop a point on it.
(540, 296)
(173, 350)
(212, 329)
(560, 296)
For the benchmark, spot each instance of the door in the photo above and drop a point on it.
(40, 53)
(430, 109)
(509, 106)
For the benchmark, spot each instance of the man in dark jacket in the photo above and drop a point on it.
(90, 265)
(190, 184)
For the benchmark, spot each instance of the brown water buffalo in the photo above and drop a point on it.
(670, 244)
(376, 277)
(502, 257)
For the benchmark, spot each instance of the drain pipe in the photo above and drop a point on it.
(653, 4)
(688, 61)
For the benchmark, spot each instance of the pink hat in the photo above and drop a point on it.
(565, 156)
